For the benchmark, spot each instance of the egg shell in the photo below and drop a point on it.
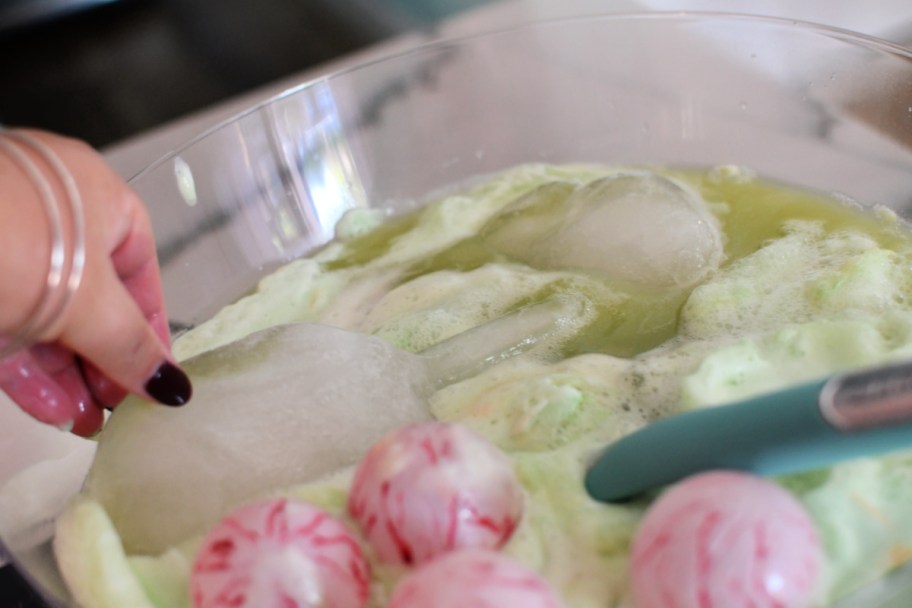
(474, 578)
(280, 554)
(725, 540)
(434, 487)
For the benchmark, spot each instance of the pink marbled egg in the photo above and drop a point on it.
(280, 554)
(433, 487)
(725, 540)
(474, 578)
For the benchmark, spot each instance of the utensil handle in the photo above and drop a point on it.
(773, 434)
(869, 398)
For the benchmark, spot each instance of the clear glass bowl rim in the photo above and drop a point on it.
(870, 42)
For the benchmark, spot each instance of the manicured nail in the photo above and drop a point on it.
(169, 385)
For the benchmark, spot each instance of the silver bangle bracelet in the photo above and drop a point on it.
(67, 227)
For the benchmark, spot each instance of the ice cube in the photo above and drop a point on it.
(634, 226)
(639, 227)
(279, 408)
(527, 222)
(539, 329)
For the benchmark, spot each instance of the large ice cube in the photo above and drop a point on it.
(637, 226)
(281, 407)
(641, 227)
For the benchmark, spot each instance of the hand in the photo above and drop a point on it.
(112, 337)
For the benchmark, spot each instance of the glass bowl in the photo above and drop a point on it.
(814, 106)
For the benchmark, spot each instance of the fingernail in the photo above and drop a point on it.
(169, 385)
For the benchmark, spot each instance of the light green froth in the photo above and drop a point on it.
(807, 287)
(798, 353)
(862, 513)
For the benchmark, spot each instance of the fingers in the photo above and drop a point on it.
(29, 385)
(117, 322)
(104, 390)
(87, 414)
(47, 384)
(116, 337)
(113, 335)
(136, 266)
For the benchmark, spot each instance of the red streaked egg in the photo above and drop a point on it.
(725, 540)
(475, 578)
(280, 554)
(433, 487)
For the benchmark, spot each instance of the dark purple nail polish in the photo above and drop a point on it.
(169, 385)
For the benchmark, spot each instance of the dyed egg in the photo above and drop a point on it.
(725, 540)
(472, 578)
(433, 487)
(280, 554)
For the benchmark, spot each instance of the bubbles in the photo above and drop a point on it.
(542, 407)
(282, 407)
(805, 274)
(437, 306)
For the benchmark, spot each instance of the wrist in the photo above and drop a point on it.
(44, 252)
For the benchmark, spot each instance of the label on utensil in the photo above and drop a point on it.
(868, 399)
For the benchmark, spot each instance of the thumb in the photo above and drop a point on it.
(113, 334)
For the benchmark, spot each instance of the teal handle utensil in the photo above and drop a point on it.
(801, 428)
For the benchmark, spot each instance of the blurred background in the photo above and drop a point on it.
(107, 70)
(103, 70)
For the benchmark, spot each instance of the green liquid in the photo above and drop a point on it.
(758, 209)
(751, 212)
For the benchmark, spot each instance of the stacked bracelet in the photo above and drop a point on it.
(67, 228)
